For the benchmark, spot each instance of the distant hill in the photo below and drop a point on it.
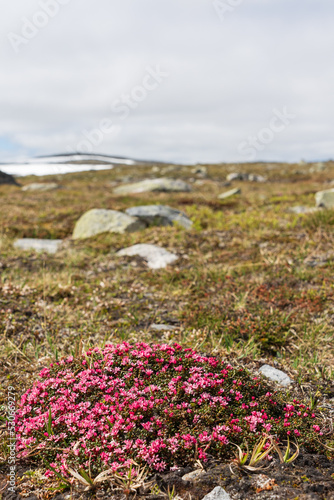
(82, 158)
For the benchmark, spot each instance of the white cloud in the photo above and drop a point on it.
(225, 79)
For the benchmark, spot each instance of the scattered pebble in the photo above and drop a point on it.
(230, 193)
(217, 493)
(166, 328)
(238, 176)
(275, 375)
(299, 209)
(162, 184)
(191, 476)
(49, 246)
(156, 257)
(40, 186)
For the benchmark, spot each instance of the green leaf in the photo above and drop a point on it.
(49, 426)
(86, 477)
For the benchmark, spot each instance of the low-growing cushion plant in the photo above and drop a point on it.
(160, 405)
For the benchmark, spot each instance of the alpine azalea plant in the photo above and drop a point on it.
(161, 406)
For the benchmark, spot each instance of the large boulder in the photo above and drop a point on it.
(49, 246)
(160, 215)
(40, 186)
(156, 257)
(7, 179)
(98, 221)
(325, 198)
(162, 184)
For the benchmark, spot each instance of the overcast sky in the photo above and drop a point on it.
(172, 80)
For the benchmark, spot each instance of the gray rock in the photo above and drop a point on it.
(200, 170)
(299, 209)
(50, 246)
(235, 176)
(256, 178)
(40, 186)
(162, 184)
(7, 179)
(217, 493)
(162, 328)
(325, 198)
(228, 194)
(98, 221)
(156, 257)
(275, 375)
(159, 215)
(192, 476)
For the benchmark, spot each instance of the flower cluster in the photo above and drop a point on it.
(160, 405)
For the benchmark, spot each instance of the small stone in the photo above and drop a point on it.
(156, 257)
(160, 215)
(256, 178)
(200, 170)
(275, 375)
(49, 246)
(230, 193)
(165, 328)
(192, 476)
(162, 184)
(325, 198)
(217, 493)
(236, 176)
(299, 209)
(40, 186)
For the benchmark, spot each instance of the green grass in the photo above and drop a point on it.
(243, 285)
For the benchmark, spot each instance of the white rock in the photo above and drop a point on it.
(299, 209)
(156, 257)
(200, 170)
(163, 184)
(98, 221)
(166, 328)
(50, 246)
(325, 198)
(40, 186)
(160, 215)
(228, 194)
(275, 375)
(217, 493)
(236, 176)
(192, 476)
